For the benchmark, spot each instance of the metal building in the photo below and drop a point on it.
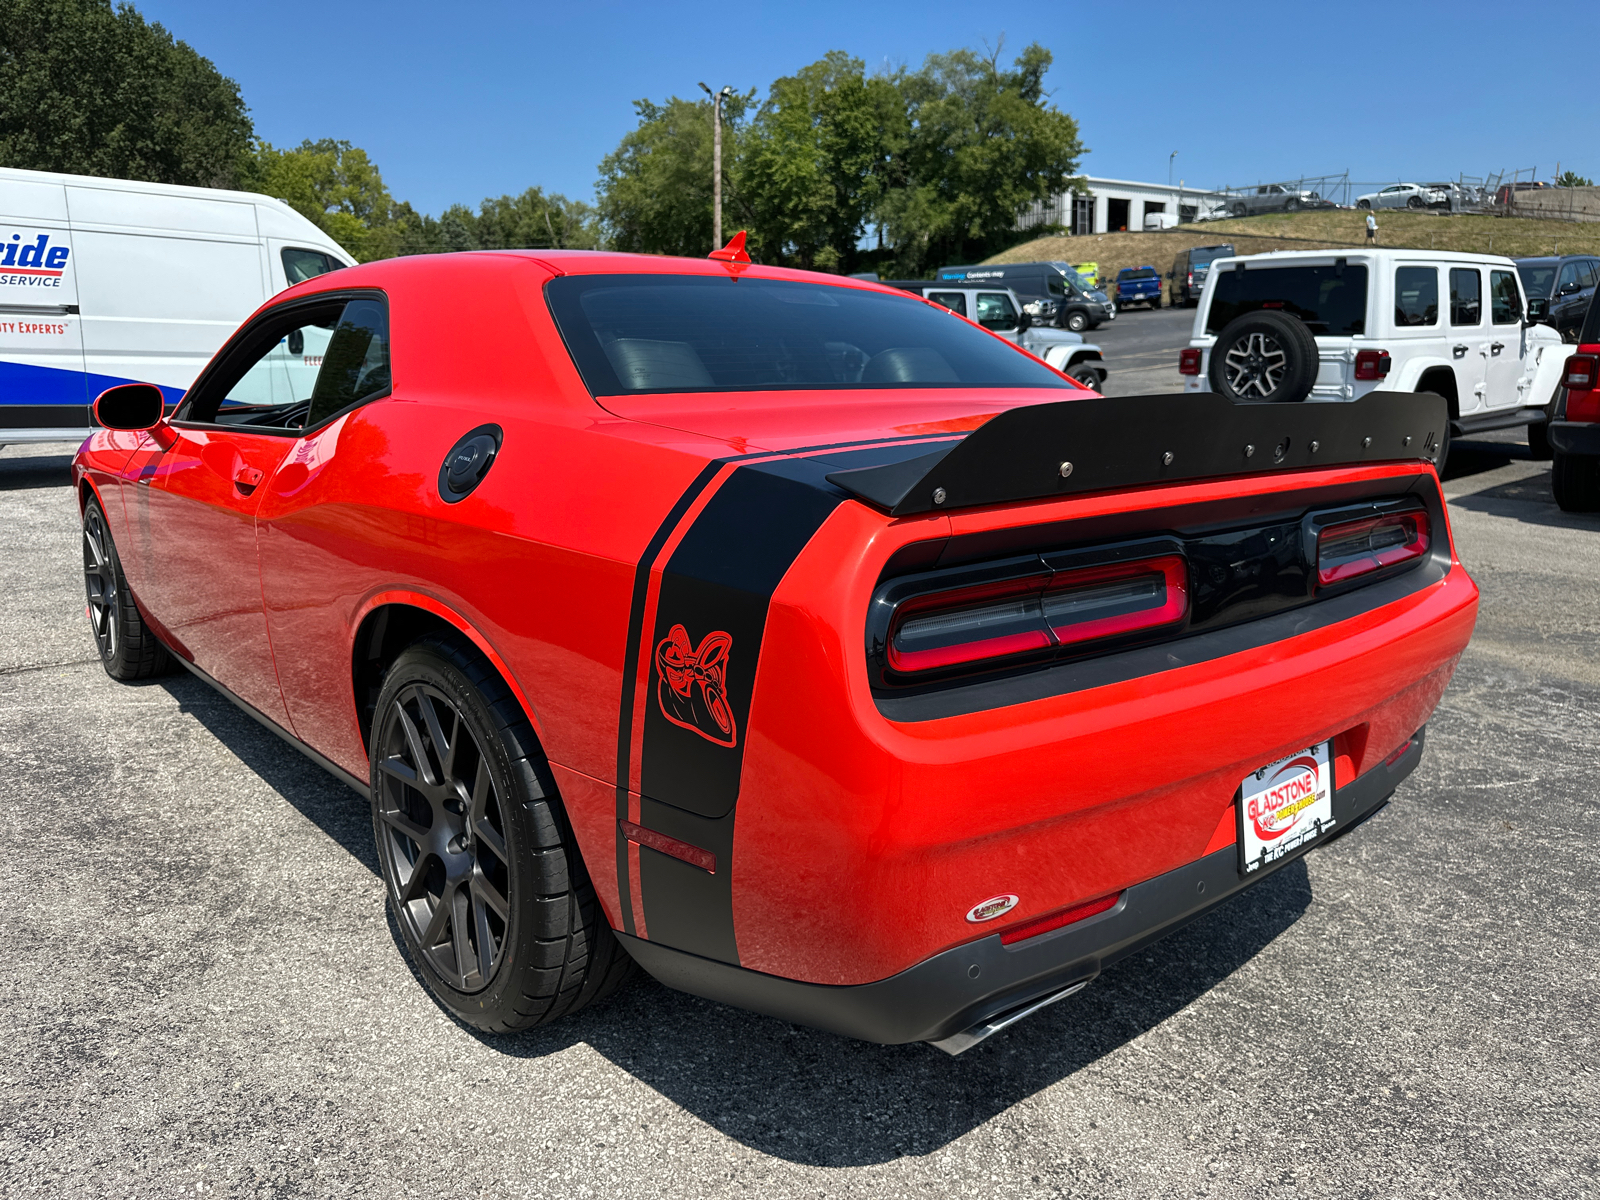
(1114, 205)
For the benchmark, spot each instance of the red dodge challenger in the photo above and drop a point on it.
(792, 637)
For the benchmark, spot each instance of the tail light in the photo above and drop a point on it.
(1582, 373)
(1055, 920)
(1189, 280)
(1040, 613)
(1372, 364)
(1357, 548)
(1189, 361)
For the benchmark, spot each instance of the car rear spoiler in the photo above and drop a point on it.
(1101, 443)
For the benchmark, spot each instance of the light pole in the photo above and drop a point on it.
(1170, 157)
(716, 162)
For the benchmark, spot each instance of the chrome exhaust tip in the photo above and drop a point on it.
(966, 1039)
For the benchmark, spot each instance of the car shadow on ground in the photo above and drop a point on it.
(795, 1093)
(35, 471)
(1529, 499)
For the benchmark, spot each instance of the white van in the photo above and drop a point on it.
(108, 281)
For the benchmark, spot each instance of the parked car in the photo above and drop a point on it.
(1567, 283)
(752, 625)
(1138, 285)
(1187, 279)
(1406, 195)
(1315, 324)
(1160, 220)
(1070, 301)
(1003, 312)
(1274, 197)
(1575, 429)
(109, 281)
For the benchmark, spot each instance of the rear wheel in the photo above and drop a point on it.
(128, 650)
(1414, 202)
(483, 874)
(1575, 479)
(1155, 301)
(1367, 204)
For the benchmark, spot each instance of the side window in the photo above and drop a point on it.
(956, 302)
(1586, 275)
(1056, 286)
(1568, 282)
(1505, 301)
(301, 265)
(294, 370)
(995, 311)
(1416, 296)
(1466, 296)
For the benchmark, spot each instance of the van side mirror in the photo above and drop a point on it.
(1538, 310)
(132, 407)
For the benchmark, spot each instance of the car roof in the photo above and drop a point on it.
(1379, 253)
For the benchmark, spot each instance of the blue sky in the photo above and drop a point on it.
(459, 101)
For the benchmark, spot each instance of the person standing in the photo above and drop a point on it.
(1372, 229)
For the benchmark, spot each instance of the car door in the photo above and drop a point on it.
(1469, 347)
(995, 312)
(41, 338)
(197, 489)
(956, 302)
(1506, 358)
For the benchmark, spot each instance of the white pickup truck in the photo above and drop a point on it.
(1336, 325)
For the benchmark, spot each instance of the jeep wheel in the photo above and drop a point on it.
(1086, 375)
(1264, 356)
(480, 865)
(128, 650)
(1575, 479)
(1077, 320)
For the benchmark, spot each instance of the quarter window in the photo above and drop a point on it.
(1505, 301)
(956, 302)
(1416, 296)
(1466, 296)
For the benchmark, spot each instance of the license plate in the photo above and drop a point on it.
(1284, 806)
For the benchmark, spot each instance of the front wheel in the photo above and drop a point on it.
(1077, 321)
(1085, 375)
(482, 872)
(128, 650)
(1575, 479)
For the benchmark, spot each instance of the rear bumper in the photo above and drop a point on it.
(1575, 437)
(969, 985)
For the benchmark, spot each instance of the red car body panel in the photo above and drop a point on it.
(857, 842)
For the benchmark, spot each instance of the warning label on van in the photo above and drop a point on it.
(32, 260)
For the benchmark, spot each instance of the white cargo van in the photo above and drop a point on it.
(107, 281)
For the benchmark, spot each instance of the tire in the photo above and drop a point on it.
(1264, 356)
(1366, 204)
(1086, 375)
(479, 862)
(1155, 301)
(1539, 448)
(1077, 320)
(1575, 479)
(1414, 202)
(1291, 205)
(1237, 210)
(128, 650)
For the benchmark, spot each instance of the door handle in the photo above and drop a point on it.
(1497, 347)
(1459, 351)
(247, 479)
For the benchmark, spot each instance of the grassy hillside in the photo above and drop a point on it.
(1314, 231)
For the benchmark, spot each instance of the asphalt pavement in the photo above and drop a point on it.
(1141, 349)
(201, 993)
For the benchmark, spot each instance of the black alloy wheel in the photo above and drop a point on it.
(127, 648)
(483, 875)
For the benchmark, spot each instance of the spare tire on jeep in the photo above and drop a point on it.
(1265, 356)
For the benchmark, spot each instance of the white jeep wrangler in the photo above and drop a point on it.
(1336, 325)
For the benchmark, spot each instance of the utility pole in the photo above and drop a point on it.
(1170, 157)
(716, 162)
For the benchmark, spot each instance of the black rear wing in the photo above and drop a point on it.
(1100, 443)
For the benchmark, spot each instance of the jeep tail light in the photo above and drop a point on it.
(1055, 920)
(1189, 361)
(1582, 373)
(1042, 612)
(1372, 364)
(1358, 547)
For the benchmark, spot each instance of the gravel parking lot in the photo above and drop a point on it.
(202, 994)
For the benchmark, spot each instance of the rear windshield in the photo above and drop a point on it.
(1331, 300)
(635, 334)
(1204, 254)
(1138, 273)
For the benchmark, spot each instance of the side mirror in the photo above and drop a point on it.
(1024, 321)
(1538, 310)
(133, 407)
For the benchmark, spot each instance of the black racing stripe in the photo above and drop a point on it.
(715, 592)
(630, 665)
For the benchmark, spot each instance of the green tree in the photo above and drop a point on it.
(817, 161)
(984, 142)
(534, 220)
(655, 188)
(90, 90)
(1573, 179)
(335, 186)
